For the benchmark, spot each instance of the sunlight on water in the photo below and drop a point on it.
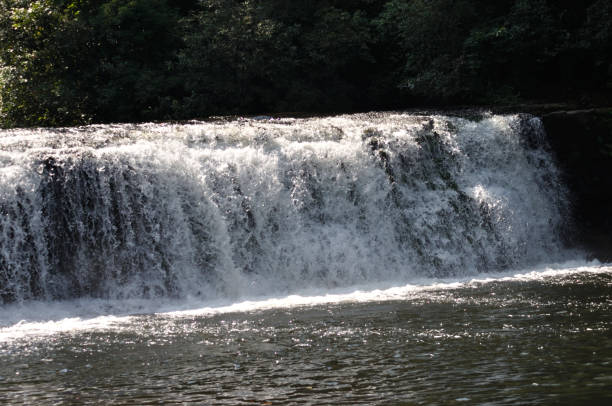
(43, 319)
(382, 258)
(536, 335)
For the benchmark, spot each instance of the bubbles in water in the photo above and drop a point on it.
(249, 207)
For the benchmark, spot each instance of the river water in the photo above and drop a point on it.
(541, 337)
(383, 258)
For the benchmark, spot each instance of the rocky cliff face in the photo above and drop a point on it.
(582, 141)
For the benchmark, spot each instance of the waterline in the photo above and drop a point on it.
(44, 319)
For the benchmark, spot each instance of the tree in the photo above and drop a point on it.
(36, 53)
(70, 62)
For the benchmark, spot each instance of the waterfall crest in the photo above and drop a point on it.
(239, 207)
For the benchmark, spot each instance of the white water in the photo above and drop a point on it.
(225, 210)
(42, 319)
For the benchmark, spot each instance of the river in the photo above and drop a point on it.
(383, 258)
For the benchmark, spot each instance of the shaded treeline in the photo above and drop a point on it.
(66, 62)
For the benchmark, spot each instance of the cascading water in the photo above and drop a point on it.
(226, 209)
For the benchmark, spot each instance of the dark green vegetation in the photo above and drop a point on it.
(65, 62)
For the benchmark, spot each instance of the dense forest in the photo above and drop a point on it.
(66, 62)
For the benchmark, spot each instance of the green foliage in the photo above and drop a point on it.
(596, 39)
(224, 62)
(430, 36)
(137, 44)
(65, 62)
(69, 62)
(252, 57)
(35, 87)
(513, 53)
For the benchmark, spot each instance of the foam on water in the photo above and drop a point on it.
(36, 320)
(222, 210)
(102, 223)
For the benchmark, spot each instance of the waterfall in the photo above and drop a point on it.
(244, 207)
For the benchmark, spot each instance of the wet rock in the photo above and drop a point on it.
(582, 142)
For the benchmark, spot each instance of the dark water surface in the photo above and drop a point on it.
(544, 340)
